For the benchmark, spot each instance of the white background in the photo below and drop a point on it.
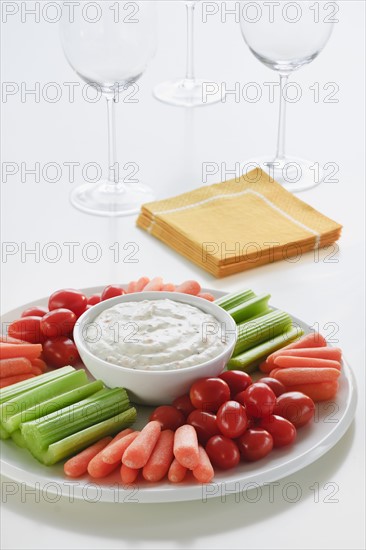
(170, 145)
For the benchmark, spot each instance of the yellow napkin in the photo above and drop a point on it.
(236, 225)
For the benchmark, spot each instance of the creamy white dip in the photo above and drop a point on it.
(155, 335)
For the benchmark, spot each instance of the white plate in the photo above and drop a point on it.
(332, 420)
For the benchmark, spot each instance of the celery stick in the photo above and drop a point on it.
(44, 431)
(54, 388)
(250, 308)
(56, 403)
(77, 442)
(236, 298)
(250, 359)
(18, 439)
(3, 433)
(20, 387)
(264, 328)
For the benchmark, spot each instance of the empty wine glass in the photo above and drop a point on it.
(187, 92)
(110, 47)
(284, 38)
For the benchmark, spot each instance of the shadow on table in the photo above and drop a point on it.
(184, 522)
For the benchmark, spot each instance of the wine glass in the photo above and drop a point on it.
(110, 47)
(186, 92)
(284, 41)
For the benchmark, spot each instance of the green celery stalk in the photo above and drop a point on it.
(260, 330)
(18, 439)
(250, 308)
(77, 442)
(236, 298)
(251, 359)
(37, 395)
(44, 431)
(3, 433)
(56, 403)
(20, 387)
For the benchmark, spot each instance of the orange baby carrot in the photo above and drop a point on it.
(97, 468)
(176, 472)
(40, 364)
(206, 296)
(114, 452)
(141, 283)
(4, 338)
(36, 371)
(78, 464)
(295, 376)
(161, 458)
(266, 367)
(15, 366)
(156, 283)
(131, 288)
(318, 392)
(186, 446)
(138, 453)
(333, 354)
(312, 340)
(9, 380)
(30, 351)
(128, 475)
(291, 361)
(168, 287)
(204, 471)
(189, 287)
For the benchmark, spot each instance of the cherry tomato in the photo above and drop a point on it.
(208, 394)
(282, 430)
(205, 425)
(58, 322)
(259, 400)
(223, 452)
(296, 407)
(237, 381)
(276, 386)
(255, 444)
(183, 404)
(232, 419)
(112, 291)
(35, 311)
(27, 329)
(94, 299)
(60, 352)
(169, 417)
(68, 298)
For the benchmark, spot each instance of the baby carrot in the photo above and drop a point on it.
(5, 339)
(114, 452)
(176, 472)
(128, 475)
(9, 380)
(138, 453)
(30, 351)
(141, 283)
(161, 458)
(15, 366)
(168, 287)
(189, 287)
(290, 361)
(334, 354)
(266, 367)
(36, 371)
(131, 288)
(78, 464)
(294, 376)
(97, 468)
(312, 340)
(206, 296)
(204, 471)
(40, 364)
(186, 446)
(155, 284)
(321, 391)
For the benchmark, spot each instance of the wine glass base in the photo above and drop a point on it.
(106, 199)
(186, 93)
(294, 174)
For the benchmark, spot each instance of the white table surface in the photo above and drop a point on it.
(170, 145)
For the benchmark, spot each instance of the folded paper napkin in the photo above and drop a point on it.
(238, 224)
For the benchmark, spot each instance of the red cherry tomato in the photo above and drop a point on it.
(208, 394)
(112, 291)
(282, 431)
(205, 425)
(183, 404)
(94, 299)
(223, 452)
(276, 386)
(232, 419)
(35, 311)
(259, 400)
(27, 329)
(255, 444)
(68, 298)
(59, 322)
(237, 381)
(60, 352)
(296, 407)
(169, 417)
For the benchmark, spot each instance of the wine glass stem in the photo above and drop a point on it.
(190, 40)
(112, 165)
(281, 138)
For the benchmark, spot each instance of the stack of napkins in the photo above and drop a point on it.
(239, 224)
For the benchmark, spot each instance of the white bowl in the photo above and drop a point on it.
(158, 387)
